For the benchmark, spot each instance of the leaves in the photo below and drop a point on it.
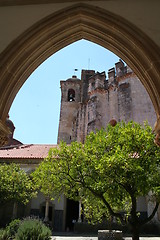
(15, 184)
(108, 172)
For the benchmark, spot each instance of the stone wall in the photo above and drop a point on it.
(98, 100)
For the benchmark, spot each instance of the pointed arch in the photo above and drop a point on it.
(64, 27)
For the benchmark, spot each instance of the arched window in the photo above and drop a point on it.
(71, 95)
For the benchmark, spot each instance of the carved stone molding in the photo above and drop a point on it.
(157, 131)
(4, 132)
(81, 21)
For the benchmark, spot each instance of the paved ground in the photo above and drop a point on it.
(95, 238)
(71, 237)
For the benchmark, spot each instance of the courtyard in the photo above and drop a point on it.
(96, 238)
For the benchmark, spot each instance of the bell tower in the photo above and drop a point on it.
(70, 102)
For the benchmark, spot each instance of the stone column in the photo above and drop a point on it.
(4, 132)
(79, 217)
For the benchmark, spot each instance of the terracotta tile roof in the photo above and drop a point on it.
(26, 151)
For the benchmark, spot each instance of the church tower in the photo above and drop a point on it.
(90, 103)
(70, 103)
(73, 112)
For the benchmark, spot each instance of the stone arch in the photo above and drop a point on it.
(66, 26)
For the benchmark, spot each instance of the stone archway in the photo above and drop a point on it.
(66, 26)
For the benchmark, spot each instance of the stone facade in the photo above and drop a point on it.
(90, 103)
(86, 105)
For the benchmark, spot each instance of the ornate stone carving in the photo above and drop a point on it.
(4, 132)
(157, 131)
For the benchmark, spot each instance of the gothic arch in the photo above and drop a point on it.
(80, 21)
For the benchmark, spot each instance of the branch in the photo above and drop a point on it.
(126, 186)
(112, 213)
(151, 216)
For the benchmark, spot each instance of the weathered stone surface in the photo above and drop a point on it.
(109, 235)
(97, 100)
(4, 132)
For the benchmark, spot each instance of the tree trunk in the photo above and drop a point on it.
(15, 208)
(46, 218)
(134, 222)
(135, 232)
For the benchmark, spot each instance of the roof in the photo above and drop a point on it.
(25, 151)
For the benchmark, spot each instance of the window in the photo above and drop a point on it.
(71, 95)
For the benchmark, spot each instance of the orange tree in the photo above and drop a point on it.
(109, 172)
(15, 184)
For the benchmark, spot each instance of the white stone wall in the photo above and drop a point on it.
(58, 205)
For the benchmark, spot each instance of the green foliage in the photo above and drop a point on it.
(13, 227)
(15, 184)
(108, 172)
(33, 229)
(27, 229)
(3, 234)
(42, 178)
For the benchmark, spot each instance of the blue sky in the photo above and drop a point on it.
(35, 110)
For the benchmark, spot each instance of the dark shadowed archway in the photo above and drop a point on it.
(80, 21)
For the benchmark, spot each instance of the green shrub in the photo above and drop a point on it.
(12, 228)
(33, 229)
(3, 234)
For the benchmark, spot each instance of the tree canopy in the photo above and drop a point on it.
(43, 178)
(15, 184)
(109, 172)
